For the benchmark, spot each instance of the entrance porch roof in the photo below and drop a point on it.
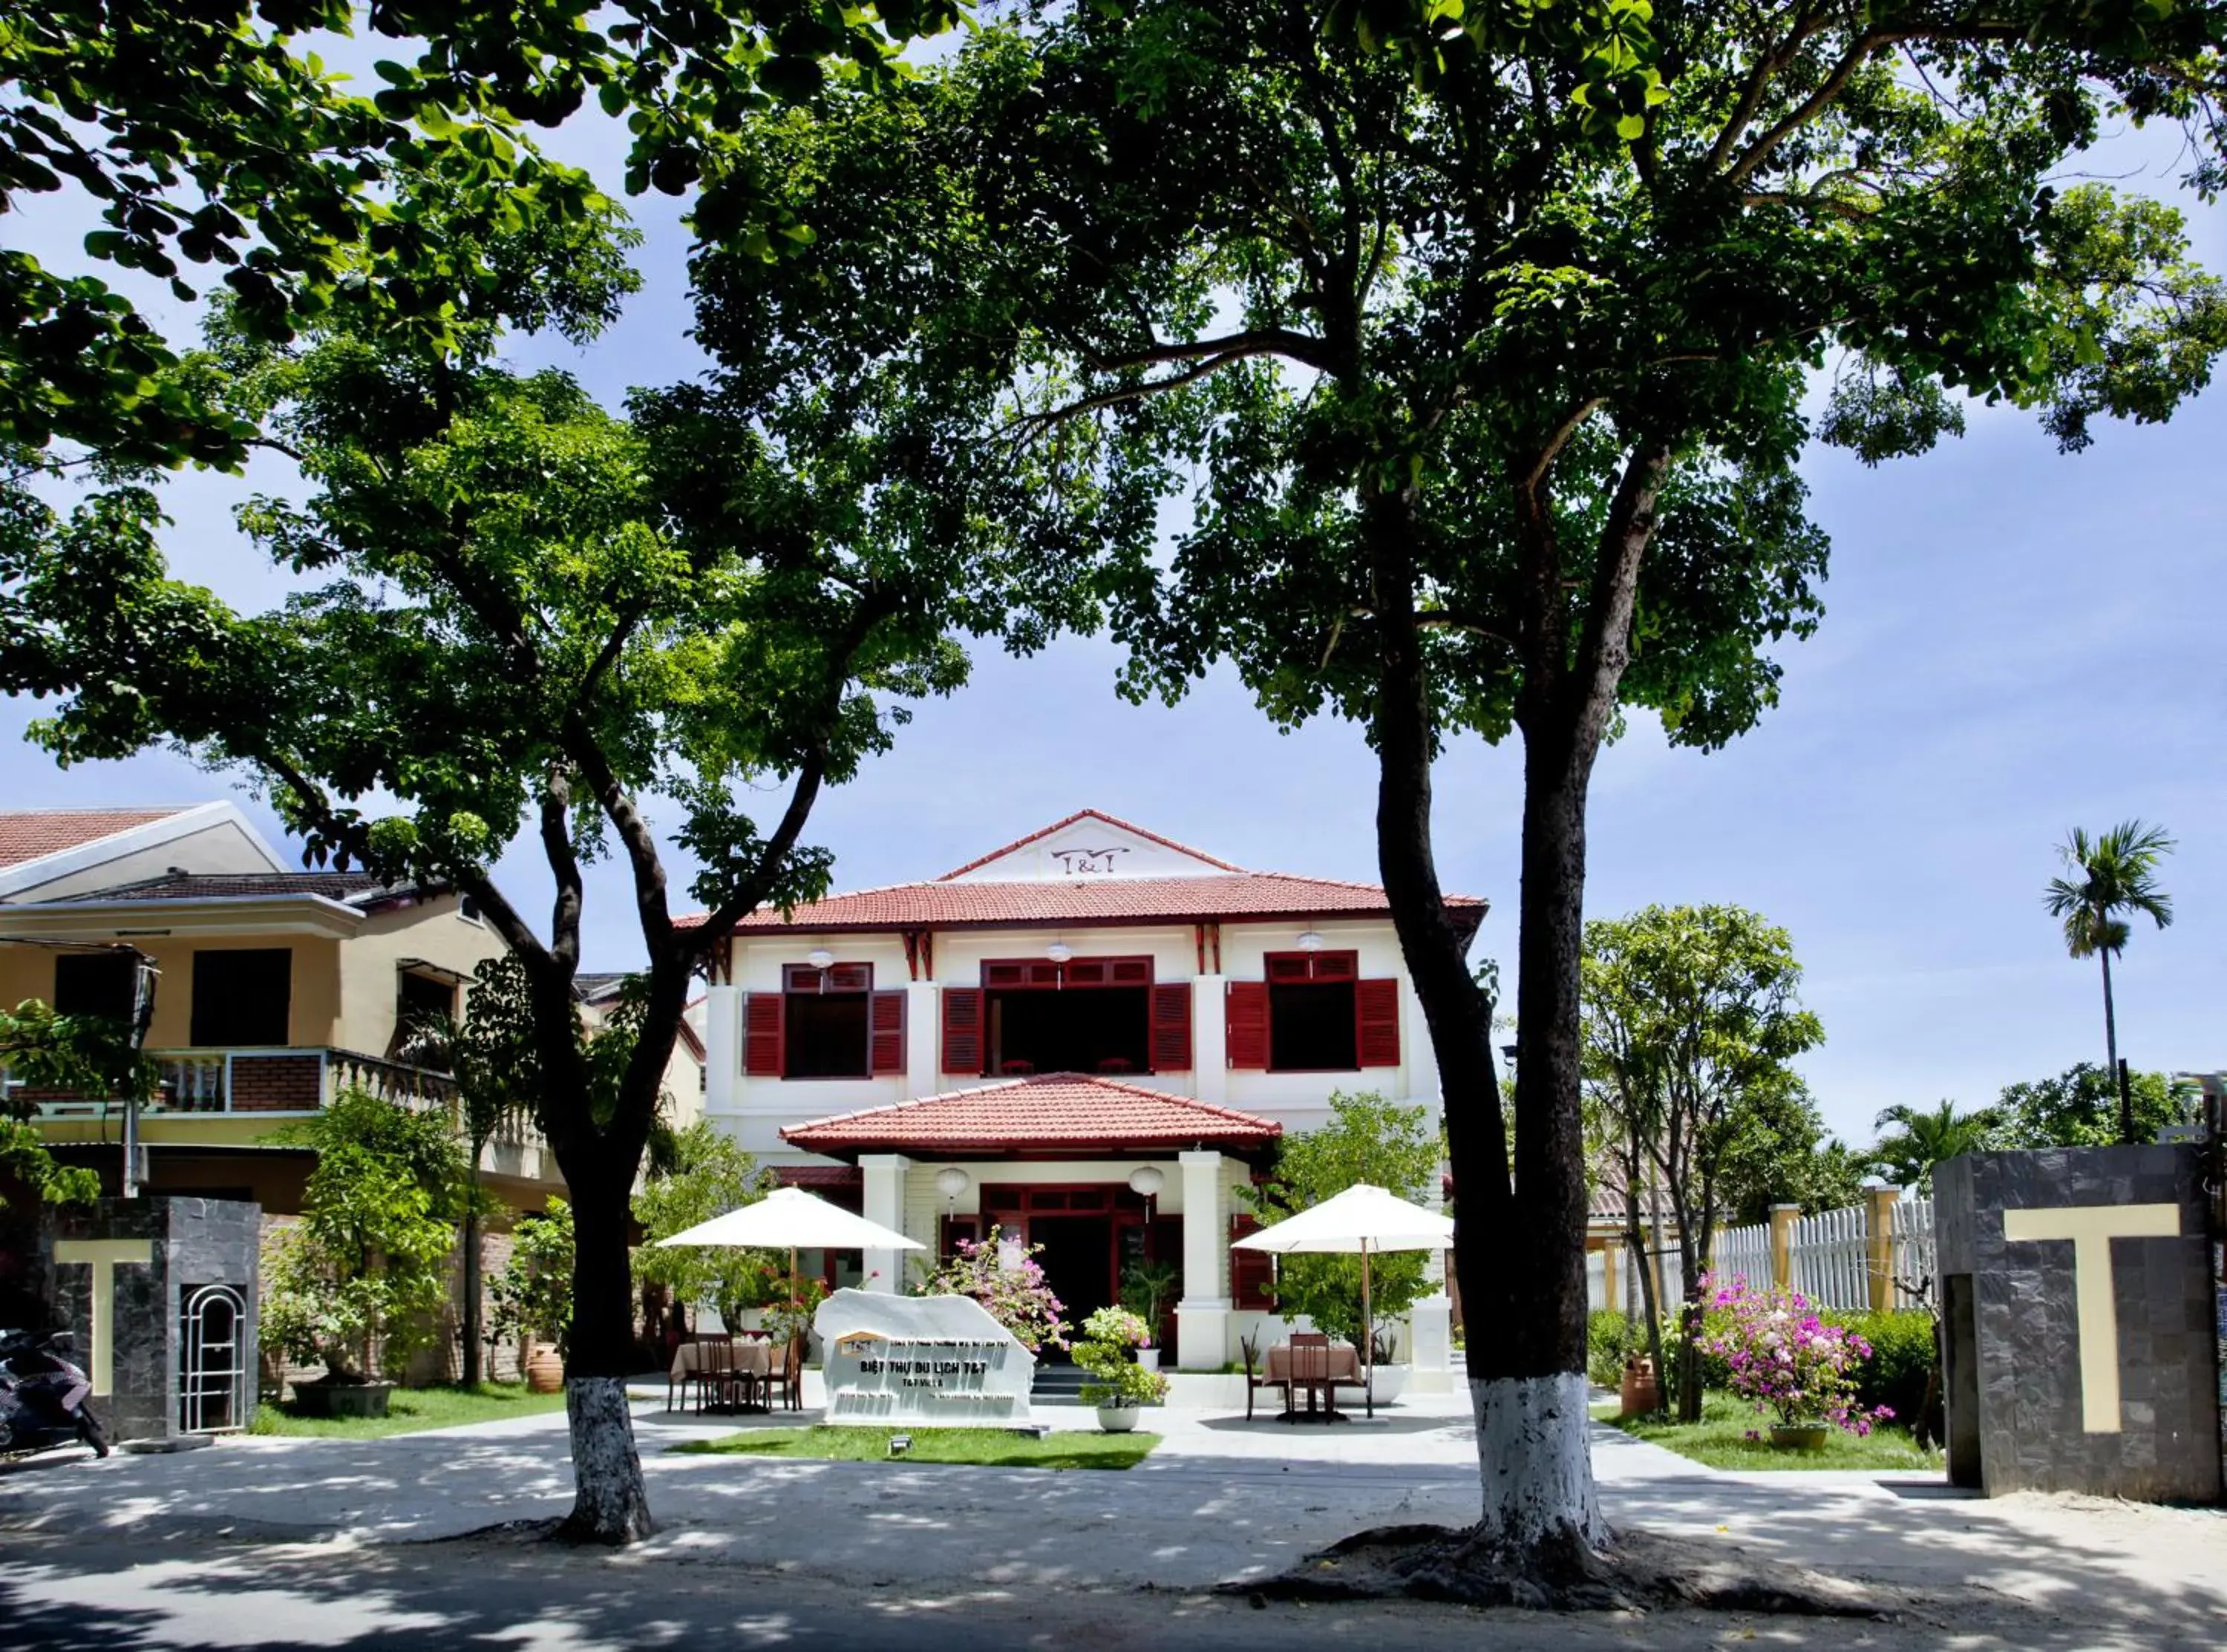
(1048, 1112)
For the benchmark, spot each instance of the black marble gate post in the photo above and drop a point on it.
(2078, 1323)
(135, 1264)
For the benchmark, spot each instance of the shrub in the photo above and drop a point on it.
(1011, 1290)
(531, 1298)
(1903, 1355)
(1788, 1360)
(1610, 1340)
(1107, 1350)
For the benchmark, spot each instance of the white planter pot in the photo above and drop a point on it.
(1149, 1358)
(1391, 1382)
(1117, 1420)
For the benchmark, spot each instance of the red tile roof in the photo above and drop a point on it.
(28, 834)
(1052, 1110)
(1087, 814)
(943, 905)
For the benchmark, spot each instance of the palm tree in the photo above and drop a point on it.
(1923, 1137)
(2113, 877)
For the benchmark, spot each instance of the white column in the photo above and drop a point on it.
(723, 1046)
(1210, 1038)
(922, 1035)
(1203, 1315)
(885, 1202)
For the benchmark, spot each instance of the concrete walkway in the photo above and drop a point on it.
(1221, 1499)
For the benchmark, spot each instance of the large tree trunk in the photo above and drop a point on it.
(610, 1505)
(1519, 1241)
(1530, 1393)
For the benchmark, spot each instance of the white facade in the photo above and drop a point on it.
(1200, 924)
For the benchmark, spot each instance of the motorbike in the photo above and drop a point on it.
(42, 1394)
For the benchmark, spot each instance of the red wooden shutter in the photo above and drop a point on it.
(1336, 965)
(1247, 1019)
(1130, 972)
(1171, 1027)
(962, 1030)
(1376, 1022)
(1290, 966)
(1086, 971)
(849, 978)
(762, 1020)
(888, 1036)
(1005, 975)
(1251, 1273)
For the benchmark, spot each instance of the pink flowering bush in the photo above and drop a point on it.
(1012, 1289)
(1785, 1358)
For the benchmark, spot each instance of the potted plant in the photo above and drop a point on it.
(531, 1298)
(1794, 1367)
(357, 1284)
(1120, 1384)
(1146, 1289)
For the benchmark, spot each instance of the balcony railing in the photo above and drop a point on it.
(279, 1082)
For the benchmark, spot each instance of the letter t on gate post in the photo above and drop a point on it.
(103, 1255)
(2091, 1228)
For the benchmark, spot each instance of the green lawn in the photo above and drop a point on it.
(1720, 1439)
(411, 1410)
(996, 1448)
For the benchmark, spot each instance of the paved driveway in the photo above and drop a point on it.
(1222, 1500)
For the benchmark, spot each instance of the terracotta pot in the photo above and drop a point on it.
(1641, 1393)
(545, 1369)
(1799, 1437)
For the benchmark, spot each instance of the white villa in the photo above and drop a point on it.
(1087, 1038)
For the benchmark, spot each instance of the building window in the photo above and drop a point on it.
(826, 1016)
(242, 997)
(422, 1003)
(1312, 1026)
(96, 983)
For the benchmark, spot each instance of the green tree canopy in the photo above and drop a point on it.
(1479, 340)
(1921, 1138)
(708, 1175)
(1692, 1022)
(216, 143)
(2079, 1107)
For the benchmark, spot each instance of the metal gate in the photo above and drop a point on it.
(213, 1375)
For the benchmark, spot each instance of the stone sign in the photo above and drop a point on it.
(2078, 1323)
(920, 1360)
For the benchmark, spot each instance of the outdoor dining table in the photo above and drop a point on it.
(751, 1357)
(1342, 1369)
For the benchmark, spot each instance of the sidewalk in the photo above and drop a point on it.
(1220, 1500)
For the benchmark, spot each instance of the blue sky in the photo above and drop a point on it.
(2015, 642)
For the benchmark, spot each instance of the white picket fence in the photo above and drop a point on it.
(1830, 1254)
(1831, 1264)
(1744, 1253)
(1911, 1230)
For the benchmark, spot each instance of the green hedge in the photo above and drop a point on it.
(1609, 1337)
(1903, 1353)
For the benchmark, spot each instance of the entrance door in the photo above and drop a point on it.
(1077, 1260)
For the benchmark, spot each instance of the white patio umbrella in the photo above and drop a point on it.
(791, 1219)
(1362, 1221)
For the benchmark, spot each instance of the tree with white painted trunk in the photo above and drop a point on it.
(537, 622)
(1481, 338)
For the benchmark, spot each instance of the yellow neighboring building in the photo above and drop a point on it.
(276, 990)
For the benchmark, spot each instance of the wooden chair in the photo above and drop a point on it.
(715, 1367)
(1309, 1369)
(1256, 1375)
(788, 1382)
